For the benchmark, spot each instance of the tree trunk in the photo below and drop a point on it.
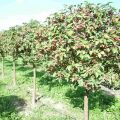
(3, 68)
(14, 73)
(86, 108)
(34, 86)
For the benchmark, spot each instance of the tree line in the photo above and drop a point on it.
(80, 43)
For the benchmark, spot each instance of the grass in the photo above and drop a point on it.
(15, 101)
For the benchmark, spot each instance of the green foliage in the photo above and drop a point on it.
(3, 41)
(84, 45)
(32, 34)
(13, 42)
(79, 44)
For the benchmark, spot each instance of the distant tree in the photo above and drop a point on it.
(32, 37)
(3, 50)
(14, 43)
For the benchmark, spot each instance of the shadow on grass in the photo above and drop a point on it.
(23, 68)
(2, 84)
(51, 81)
(8, 63)
(38, 74)
(45, 79)
(10, 105)
(97, 99)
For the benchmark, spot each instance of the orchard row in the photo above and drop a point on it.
(80, 44)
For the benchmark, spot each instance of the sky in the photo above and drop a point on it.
(15, 12)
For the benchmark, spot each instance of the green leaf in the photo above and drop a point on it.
(70, 32)
(99, 55)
